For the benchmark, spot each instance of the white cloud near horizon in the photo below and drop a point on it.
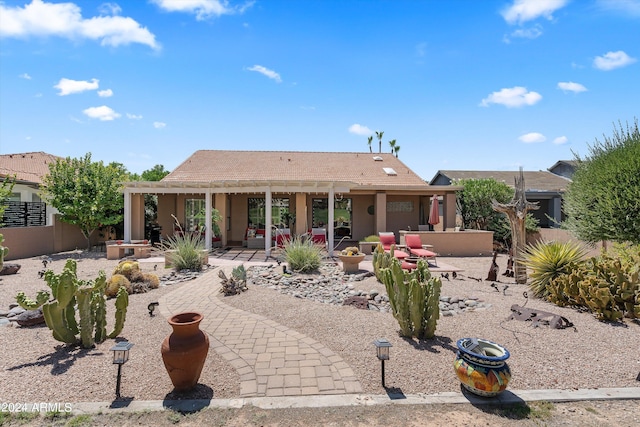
(203, 9)
(159, 125)
(266, 72)
(522, 11)
(133, 116)
(524, 33)
(560, 140)
(105, 93)
(102, 113)
(68, 86)
(25, 76)
(612, 60)
(532, 138)
(358, 129)
(43, 19)
(514, 97)
(571, 87)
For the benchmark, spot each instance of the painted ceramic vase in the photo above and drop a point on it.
(185, 350)
(481, 367)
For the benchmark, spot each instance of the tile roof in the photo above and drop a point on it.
(533, 181)
(27, 167)
(358, 167)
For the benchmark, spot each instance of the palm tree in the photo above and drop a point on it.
(369, 142)
(396, 149)
(392, 143)
(379, 136)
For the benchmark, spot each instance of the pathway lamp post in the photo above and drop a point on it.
(120, 357)
(382, 351)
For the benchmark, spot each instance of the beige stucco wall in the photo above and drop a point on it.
(456, 243)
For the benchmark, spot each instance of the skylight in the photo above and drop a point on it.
(377, 158)
(389, 171)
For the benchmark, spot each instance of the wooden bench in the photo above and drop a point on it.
(140, 250)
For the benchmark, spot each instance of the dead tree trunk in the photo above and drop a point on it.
(516, 212)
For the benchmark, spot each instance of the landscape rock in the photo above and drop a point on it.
(9, 269)
(29, 318)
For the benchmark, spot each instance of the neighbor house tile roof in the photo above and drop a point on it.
(533, 181)
(361, 168)
(27, 167)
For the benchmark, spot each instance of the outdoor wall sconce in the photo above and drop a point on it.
(382, 351)
(120, 357)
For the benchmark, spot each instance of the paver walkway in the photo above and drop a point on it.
(272, 360)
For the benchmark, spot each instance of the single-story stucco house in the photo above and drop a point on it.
(350, 194)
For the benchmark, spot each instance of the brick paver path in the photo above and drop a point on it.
(272, 360)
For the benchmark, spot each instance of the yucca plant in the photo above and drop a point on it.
(302, 255)
(185, 250)
(548, 260)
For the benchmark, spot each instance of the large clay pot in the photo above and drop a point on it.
(481, 367)
(185, 350)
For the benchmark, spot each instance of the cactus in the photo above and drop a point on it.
(69, 292)
(414, 298)
(381, 259)
(128, 269)
(116, 282)
(3, 251)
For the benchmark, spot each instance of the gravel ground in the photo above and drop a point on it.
(37, 368)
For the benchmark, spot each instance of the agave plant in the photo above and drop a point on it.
(548, 260)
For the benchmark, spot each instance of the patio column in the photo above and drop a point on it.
(301, 214)
(449, 211)
(207, 220)
(381, 212)
(127, 215)
(223, 208)
(267, 220)
(556, 211)
(331, 207)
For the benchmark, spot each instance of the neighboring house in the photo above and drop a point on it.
(367, 193)
(25, 208)
(564, 168)
(544, 187)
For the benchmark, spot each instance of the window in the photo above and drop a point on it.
(194, 214)
(342, 212)
(257, 207)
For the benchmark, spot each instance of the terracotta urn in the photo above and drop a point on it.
(185, 350)
(480, 366)
(350, 263)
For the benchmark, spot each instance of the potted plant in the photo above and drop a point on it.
(351, 258)
(481, 366)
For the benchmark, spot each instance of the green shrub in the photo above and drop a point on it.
(548, 260)
(185, 251)
(372, 238)
(303, 255)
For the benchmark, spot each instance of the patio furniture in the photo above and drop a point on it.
(415, 247)
(388, 239)
(140, 250)
(319, 236)
(283, 235)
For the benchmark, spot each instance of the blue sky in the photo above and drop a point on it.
(459, 84)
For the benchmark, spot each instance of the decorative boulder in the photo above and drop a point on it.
(29, 318)
(357, 301)
(9, 269)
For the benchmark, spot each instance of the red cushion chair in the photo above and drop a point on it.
(389, 239)
(283, 235)
(319, 236)
(414, 244)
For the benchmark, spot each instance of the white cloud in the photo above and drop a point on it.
(133, 116)
(512, 97)
(527, 10)
(360, 130)
(612, 60)
(571, 87)
(159, 125)
(25, 76)
(203, 9)
(110, 9)
(560, 140)
(532, 137)
(68, 86)
(267, 72)
(102, 113)
(43, 19)
(105, 93)
(524, 33)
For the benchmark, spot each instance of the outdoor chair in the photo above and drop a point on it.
(416, 248)
(319, 236)
(283, 235)
(388, 239)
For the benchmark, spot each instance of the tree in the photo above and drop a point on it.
(369, 140)
(87, 194)
(603, 200)
(379, 136)
(396, 149)
(475, 201)
(392, 144)
(155, 174)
